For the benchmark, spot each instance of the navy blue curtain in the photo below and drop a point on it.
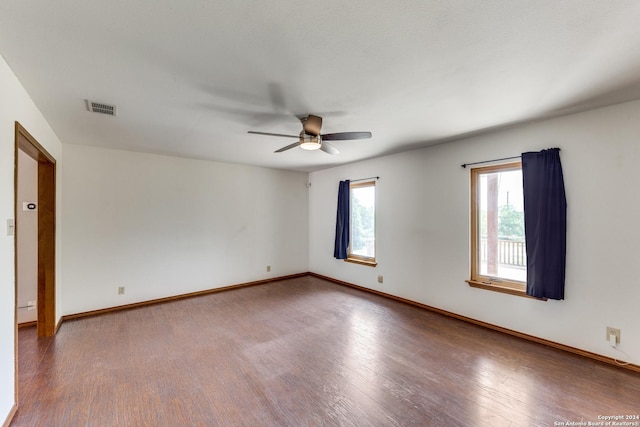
(342, 221)
(545, 223)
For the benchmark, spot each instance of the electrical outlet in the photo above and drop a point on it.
(613, 331)
(380, 279)
(120, 290)
(268, 268)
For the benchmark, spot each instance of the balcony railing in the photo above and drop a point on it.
(511, 252)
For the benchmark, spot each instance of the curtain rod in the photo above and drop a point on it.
(364, 179)
(490, 161)
(494, 160)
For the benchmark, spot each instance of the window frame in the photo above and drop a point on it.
(355, 258)
(478, 280)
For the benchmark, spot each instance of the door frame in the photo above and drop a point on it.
(46, 229)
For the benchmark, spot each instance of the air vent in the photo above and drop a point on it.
(99, 107)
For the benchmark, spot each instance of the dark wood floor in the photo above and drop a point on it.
(304, 352)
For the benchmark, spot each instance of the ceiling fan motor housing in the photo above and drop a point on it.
(312, 124)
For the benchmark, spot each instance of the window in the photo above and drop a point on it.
(498, 253)
(362, 240)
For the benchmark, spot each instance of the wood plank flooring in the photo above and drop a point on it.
(304, 352)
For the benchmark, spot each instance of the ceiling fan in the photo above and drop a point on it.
(310, 137)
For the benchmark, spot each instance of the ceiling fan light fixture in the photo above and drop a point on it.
(309, 142)
(310, 146)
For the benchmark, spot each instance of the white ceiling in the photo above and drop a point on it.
(190, 78)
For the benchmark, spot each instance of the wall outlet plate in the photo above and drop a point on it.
(613, 331)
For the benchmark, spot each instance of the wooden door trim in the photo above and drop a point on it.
(46, 226)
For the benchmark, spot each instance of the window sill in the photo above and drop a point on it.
(505, 289)
(361, 262)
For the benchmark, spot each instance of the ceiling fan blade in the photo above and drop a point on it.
(343, 136)
(312, 125)
(288, 147)
(276, 96)
(272, 134)
(328, 148)
(254, 118)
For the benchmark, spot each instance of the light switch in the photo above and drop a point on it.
(11, 227)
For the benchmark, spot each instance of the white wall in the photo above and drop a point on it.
(27, 223)
(15, 105)
(423, 228)
(162, 226)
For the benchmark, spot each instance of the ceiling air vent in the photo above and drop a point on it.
(99, 107)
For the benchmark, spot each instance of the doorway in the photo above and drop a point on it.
(27, 241)
(46, 220)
